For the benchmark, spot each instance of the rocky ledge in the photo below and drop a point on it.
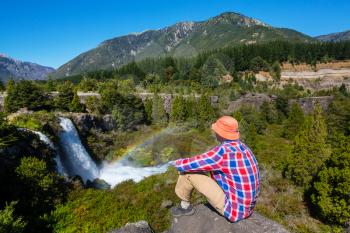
(206, 220)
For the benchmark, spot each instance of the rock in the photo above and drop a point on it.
(308, 103)
(98, 184)
(87, 121)
(166, 204)
(206, 220)
(251, 99)
(108, 123)
(137, 227)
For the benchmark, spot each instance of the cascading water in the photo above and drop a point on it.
(79, 162)
(77, 159)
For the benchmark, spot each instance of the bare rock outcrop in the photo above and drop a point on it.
(250, 99)
(137, 227)
(206, 220)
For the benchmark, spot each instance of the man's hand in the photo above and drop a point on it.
(172, 163)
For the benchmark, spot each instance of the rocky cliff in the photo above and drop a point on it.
(206, 220)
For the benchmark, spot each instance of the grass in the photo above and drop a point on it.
(90, 210)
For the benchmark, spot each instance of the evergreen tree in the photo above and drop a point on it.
(25, 94)
(309, 150)
(268, 113)
(338, 117)
(331, 190)
(248, 134)
(295, 120)
(129, 112)
(276, 71)
(204, 111)
(178, 110)
(75, 105)
(258, 64)
(159, 115)
(65, 96)
(93, 104)
(148, 109)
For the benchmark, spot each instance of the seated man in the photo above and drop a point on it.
(234, 181)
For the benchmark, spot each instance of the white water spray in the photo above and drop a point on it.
(117, 172)
(77, 159)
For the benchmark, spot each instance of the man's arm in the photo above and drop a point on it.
(208, 161)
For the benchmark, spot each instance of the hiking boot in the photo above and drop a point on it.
(179, 211)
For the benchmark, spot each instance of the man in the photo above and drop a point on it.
(234, 181)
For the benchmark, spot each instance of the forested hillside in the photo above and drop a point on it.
(303, 151)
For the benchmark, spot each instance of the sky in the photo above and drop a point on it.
(52, 32)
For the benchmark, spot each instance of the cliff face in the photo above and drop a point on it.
(206, 220)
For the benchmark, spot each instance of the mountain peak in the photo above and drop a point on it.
(182, 39)
(237, 18)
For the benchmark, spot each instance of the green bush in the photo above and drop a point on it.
(25, 94)
(331, 190)
(310, 150)
(10, 223)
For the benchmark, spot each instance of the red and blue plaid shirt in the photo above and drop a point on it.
(235, 169)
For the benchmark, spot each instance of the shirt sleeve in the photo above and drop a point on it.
(209, 161)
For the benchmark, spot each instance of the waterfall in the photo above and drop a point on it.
(77, 159)
(79, 162)
(59, 165)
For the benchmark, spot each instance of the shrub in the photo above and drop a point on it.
(25, 94)
(9, 222)
(331, 190)
(309, 150)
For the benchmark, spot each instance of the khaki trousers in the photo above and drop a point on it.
(203, 184)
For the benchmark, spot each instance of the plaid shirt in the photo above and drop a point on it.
(235, 169)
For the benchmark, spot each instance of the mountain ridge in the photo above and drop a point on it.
(335, 37)
(11, 68)
(182, 39)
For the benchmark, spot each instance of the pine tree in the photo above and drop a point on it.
(309, 150)
(178, 110)
(65, 96)
(75, 105)
(331, 190)
(159, 115)
(294, 122)
(276, 71)
(204, 111)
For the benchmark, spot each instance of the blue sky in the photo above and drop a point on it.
(52, 32)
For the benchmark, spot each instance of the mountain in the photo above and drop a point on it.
(339, 36)
(184, 39)
(14, 69)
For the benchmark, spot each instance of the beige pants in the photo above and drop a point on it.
(203, 184)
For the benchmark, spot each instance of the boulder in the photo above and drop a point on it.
(137, 227)
(207, 220)
(98, 184)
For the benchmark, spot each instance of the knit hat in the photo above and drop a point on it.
(226, 127)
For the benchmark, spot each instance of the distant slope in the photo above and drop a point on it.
(14, 69)
(339, 36)
(183, 39)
